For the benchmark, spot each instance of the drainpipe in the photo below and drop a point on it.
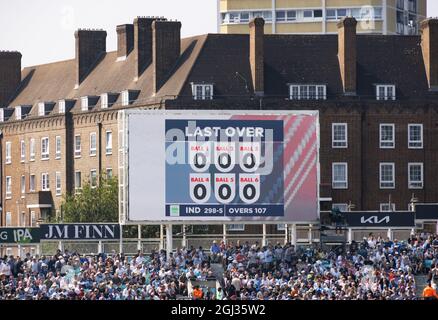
(99, 154)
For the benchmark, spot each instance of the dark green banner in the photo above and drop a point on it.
(20, 235)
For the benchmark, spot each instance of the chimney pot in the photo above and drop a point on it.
(347, 54)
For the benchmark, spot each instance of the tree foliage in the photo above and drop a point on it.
(92, 204)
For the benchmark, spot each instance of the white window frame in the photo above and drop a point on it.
(8, 152)
(412, 144)
(41, 109)
(386, 88)
(337, 184)
(78, 182)
(93, 150)
(107, 171)
(8, 187)
(235, 227)
(388, 144)
(33, 219)
(415, 184)
(32, 149)
(384, 207)
(45, 181)
(108, 142)
(45, 154)
(32, 182)
(61, 106)
(58, 185)
(93, 183)
(125, 98)
(203, 95)
(23, 184)
(340, 144)
(84, 104)
(8, 219)
(302, 92)
(22, 151)
(104, 101)
(77, 151)
(17, 113)
(58, 146)
(381, 182)
(340, 206)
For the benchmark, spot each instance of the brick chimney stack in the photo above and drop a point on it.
(166, 50)
(90, 47)
(429, 47)
(256, 54)
(10, 75)
(125, 40)
(347, 54)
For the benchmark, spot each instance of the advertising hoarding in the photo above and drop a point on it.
(218, 166)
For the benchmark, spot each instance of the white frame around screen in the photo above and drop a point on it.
(123, 161)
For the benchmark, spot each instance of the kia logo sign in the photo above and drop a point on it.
(374, 220)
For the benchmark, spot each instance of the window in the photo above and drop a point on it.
(387, 207)
(385, 92)
(415, 136)
(32, 219)
(23, 219)
(93, 178)
(32, 183)
(58, 183)
(343, 207)
(22, 151)
(331, 14)
(281, 227)
(58, 147)
(340, 175)
(339, 135)
(308, 13)
(104, 101)
(387, 137)
(283, 16)
(202, 91)
(109, 173)
(77, 146)
(415, 175)
(23, 185)
(8, 187)
(109, 142)
(235, 227)
(32, 149)
(93, 144)
(78, 180)
(125, 98)
(61, 105)
(307, 92)
(45, 148)
(8, 152)
(8, 219)
(41, 109)
(387, 179)
(84, 103)
(45, 182)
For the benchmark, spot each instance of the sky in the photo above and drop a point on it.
(43, 30)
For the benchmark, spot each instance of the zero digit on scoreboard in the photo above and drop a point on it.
(199, 155)
(225, 156)
(200, 187)
(249, 156)
(249, 188)
(225, 187)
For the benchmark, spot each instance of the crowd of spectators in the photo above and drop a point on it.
(374, 269)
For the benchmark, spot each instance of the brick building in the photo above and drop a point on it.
(377, 97)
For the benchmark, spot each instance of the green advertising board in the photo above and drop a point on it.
(20, 235)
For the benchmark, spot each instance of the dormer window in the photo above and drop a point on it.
(17, 113)
(129, 96)
(108, 99)
(307, 92)
(87, 102)
(104, 101)
(385, 92)
(61, 106)
(202, 91)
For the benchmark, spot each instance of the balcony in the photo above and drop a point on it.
(39, 199)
